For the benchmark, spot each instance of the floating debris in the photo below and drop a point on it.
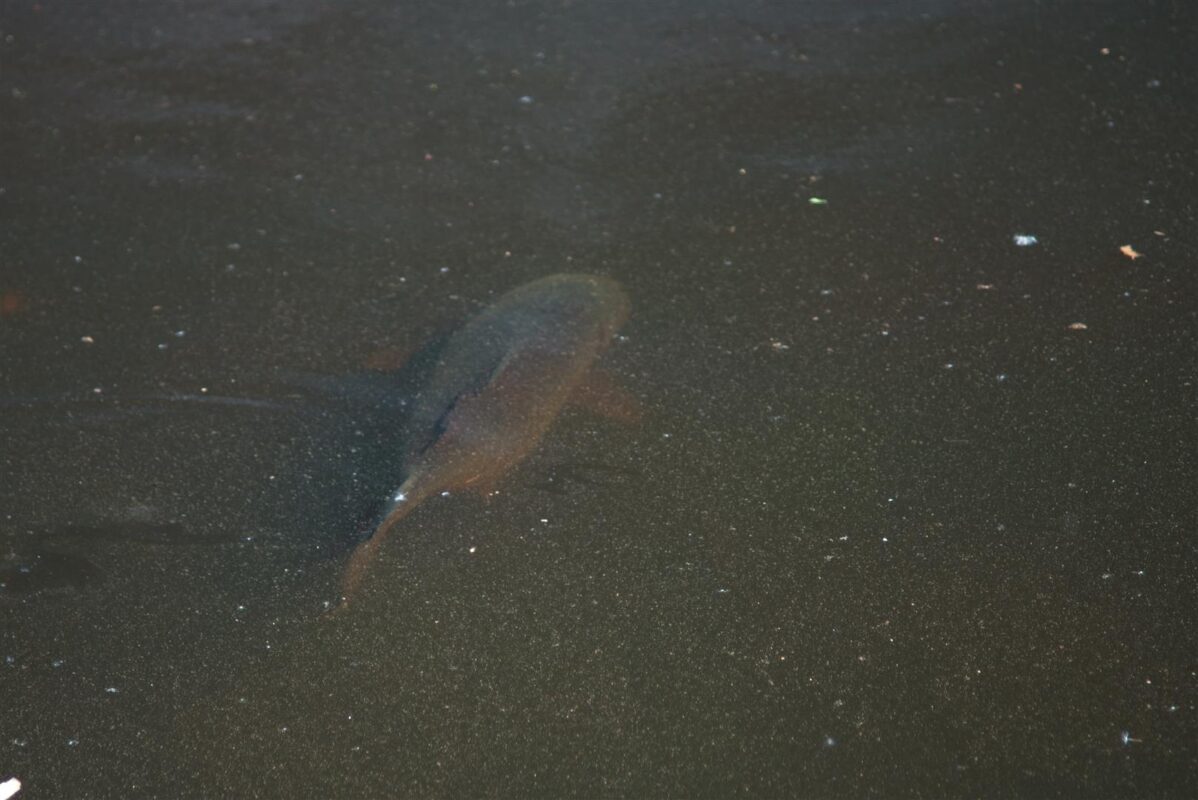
(1130, 252)
(13, 302)
(817, 201)
(9, 788)
(1024, 240)
(1078, 326)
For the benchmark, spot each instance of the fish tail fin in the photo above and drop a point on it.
(407, 498)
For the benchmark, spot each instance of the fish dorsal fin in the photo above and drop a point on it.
(468, 407)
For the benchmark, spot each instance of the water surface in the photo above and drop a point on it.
(910, 509)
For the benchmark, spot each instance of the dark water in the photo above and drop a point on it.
(893, 524)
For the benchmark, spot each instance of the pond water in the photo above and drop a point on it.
(907, 504)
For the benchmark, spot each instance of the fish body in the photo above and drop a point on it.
(498, 385)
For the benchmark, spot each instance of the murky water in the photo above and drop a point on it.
(910, 506)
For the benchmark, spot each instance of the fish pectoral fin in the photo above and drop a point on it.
(483, 486)
(600, 394)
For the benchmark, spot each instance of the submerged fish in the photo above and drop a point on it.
(499, 383)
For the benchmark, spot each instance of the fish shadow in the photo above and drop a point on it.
(563, 478)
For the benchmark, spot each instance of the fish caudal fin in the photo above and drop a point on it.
(359, 560)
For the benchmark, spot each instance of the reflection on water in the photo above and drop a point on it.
(908, 507)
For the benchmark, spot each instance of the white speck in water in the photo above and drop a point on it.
(180, 334)
(445, 493)
(526, 100)
(87, 340)
(72, 742)
(58, 662)
(112, 690)
(544, 521)
(399, 497)
(472, 548)
(1128, 739)
(1024, 240)
(829, 741)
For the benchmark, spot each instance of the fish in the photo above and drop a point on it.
(496, 388)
